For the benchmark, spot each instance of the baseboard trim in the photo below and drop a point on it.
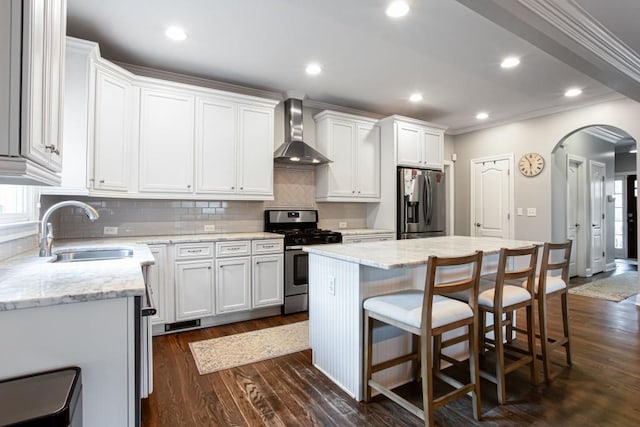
(610, 266)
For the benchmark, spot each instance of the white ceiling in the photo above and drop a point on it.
(371, 63)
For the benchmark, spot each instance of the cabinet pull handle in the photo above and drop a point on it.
(194, 251)
(267, 246)
(358, 191)
(102, 181)
(52, 148)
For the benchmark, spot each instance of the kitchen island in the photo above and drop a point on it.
(342, 276)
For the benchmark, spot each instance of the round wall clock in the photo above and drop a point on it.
(531, 164)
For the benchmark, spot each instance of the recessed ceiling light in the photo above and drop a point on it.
(573, 92)
(397, 9)
(416, 97)
(313, 69)
(482, 116)
(175, 33)
(510, 62)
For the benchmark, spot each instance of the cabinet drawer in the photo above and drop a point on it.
(267, 246)
(361, 238)
(237, 248)
(194, 250)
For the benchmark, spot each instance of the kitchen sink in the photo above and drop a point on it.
(92, 254)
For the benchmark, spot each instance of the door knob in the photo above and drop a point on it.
(594, 225)
(477, 224)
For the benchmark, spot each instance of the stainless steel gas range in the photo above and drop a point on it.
(300, 228)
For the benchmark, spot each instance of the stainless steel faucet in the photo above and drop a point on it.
(46, 229)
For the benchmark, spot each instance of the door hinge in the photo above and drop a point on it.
(508, 172)
(603, 255)
(509, 216)
(602, 216)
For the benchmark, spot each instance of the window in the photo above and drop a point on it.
(18, 211)
(618, 191)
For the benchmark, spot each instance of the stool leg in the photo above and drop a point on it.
(474, 370)
(481, 330)
(542, 321)
(499, 348)
(427, 379)
(531, 338)
(509, 327)
(416, 348)
(565, 324)
(437, 350)
(368, 334)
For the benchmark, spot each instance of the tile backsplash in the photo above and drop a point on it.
(293, 188)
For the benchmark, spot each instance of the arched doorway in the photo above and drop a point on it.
(590, 195)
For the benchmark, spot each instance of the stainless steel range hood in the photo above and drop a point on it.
(294, 150)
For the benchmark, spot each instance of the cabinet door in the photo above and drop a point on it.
(194, 289)
(367, 161)
(34, 96)
(342, 152)
(233, 284)
(255, 154)
(216, 139)
(55, 31)
(166, 141)
(433, 145)
(268, 285)
(157, 280)
(112, 132)
(409, 140)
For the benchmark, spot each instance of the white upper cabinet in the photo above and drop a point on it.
(112, 130)
(234, 148)
(166, 138)
(32, 50)
(353, 143)
(419, 144)
(216, 146)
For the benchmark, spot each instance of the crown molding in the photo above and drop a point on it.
(604, 134)
(612, 96)
(582, 28)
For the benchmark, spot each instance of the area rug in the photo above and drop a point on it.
(240, 349)
(613, 288)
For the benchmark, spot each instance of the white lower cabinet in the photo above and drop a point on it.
(157, 280)
(361, 238)
(194, 290)
(233, 284)
(268, 286)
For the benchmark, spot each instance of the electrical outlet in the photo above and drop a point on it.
(531, 211)
(332, 285)
(342, 224)
(210, 227)
(110, 230)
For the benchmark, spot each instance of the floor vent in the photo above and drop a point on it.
(181, 325)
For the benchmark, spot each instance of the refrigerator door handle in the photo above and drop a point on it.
(425, 204)
(429, 200)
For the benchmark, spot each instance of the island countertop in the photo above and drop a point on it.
(394, 254)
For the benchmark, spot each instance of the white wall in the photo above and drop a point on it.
(540, 135)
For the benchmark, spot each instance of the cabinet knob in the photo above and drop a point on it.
(233, 188)
(358, 191)
(353, 192)
(102, 181)
(242, 188)
(210, 267)
(189, 186)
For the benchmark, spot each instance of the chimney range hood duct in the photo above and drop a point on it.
(294, 150)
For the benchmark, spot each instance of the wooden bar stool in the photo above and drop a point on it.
(501, 299)
(427, 315)
(547, 286)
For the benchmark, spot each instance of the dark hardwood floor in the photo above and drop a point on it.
(602, 388)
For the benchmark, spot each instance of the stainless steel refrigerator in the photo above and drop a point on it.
(421, 203)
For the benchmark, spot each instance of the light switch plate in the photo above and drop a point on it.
(342, 224)
(531, 211)
(210, 227)
(520, 213)
(110, 230)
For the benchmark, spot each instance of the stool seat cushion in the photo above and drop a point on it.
(554, 283)
(510, 295)
(406, 307)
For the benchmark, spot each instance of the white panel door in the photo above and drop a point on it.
(216, 144)
(157, 278)
(268, 285)
(112, 132)
(166, 141)
(433, 146)
(597, 217)
(255, 155)
(367, 161)
(490, 195)
(573, 213)
(341, 173)
(233, 284)
(409, 140)
(194, 289)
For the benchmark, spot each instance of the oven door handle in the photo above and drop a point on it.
(293, 248)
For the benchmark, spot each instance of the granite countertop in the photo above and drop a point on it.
(362, 231)
(406, 253)
(28, 280)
